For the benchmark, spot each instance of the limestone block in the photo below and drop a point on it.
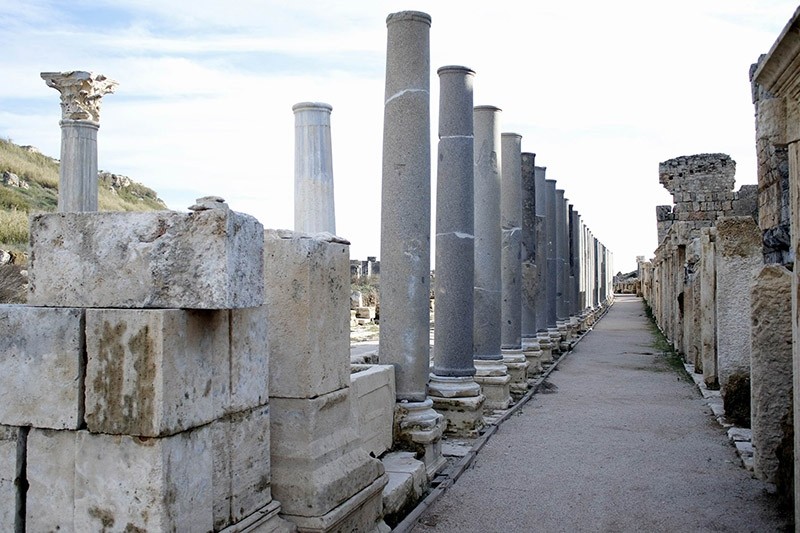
(771, 365)
(151, 372)
(308, 294)
(241, 466)
(12, 454)
(249, 364)
(209, 259)
(41, 367)
(85, 482)
(373, 397)
(316, 456)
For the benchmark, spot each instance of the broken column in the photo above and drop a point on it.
(81, 93)
(335, 485)
(405, 231)
(511, 222)
(491, 372)
(452, 388)
(738, 258)
(530, 268)
(313, 169)
(771, 367)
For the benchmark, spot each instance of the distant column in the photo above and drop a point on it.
(405, 231)
(511, 221)
(530, 268)
(313, 169)
(452, 388)
(562, 270)
(552, 266)
(81, 93)
(541, 265)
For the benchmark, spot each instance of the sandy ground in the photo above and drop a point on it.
(623, 442)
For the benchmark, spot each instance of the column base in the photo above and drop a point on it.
(492, 376)
(545, 346)
(533, 354)
(418, 427)
(563, 330)
(460, 400)
(555, 339)
(518, 370)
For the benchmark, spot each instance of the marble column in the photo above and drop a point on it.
(511, 222)
(452, 388)
(552, 266)
(313, 169)
(491, 372)
(405, 232)
(81, 93)
(530, 268)
(541, 265)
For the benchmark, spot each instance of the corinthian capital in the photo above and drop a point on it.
(80, 93)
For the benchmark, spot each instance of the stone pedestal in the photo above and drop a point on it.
(545, 345)
(328, 481)
(81, 93)
(419, 428)
(533, 355)
(313, 169)
(517, 366)
(451, 387)
(491, 373)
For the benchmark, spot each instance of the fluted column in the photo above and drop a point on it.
(511, 222)
(81, 93)
(491, 372)
(313, 169)
(405, 231)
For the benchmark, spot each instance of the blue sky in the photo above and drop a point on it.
(601, 92)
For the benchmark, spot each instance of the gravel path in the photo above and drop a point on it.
(623, 442)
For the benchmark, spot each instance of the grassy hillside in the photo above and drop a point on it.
(38, 192)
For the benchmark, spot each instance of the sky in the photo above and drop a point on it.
(601, 92)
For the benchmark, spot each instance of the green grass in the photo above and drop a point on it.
(661, 345)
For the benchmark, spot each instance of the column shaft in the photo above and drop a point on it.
(511, 222)
(313, 169)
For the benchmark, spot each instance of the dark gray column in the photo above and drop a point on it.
(542, 265)
(530, 268)
(553, 266)
(405, 231)
(452, 389)
(313, 169)
(491, 373)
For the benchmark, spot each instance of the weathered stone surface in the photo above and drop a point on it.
(85, 482)
(407, 483)
(317, 459)
(210, 259)
(248, 360)
(771, 365)
(708, 329)
(41, 367)
(152, 372)
(313, 168)
(241, 466)
(373, 399)
(12, 450)
(511, 223)
(308, 314)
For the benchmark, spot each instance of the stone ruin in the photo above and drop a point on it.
(721, 283)
(191, 371)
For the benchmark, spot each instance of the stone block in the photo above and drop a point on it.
(373, 398)
(308, 294)
(365, 312)
(316, 456)
(241, 465)
(41, 367)
(208, 259)
(152, 372)
(12, 455)
(249, 359)
(85, 482)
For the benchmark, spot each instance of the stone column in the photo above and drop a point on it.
(541, 265)
(80, 119)
(530, 268)
(562, 269)
(491, 373)
(552, 267)
(313, 169)
(511, 222)
(771, 368)
(452, 388)
(708, 319)
(405, 231)
(738, 258)
(574, 270)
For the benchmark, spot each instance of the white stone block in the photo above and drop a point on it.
(241, 466)
(208, 259)
(152, 372)
(41, 367)
(316, 457)
(50, 500)
(373, 398)
(308, 299)
(12, 449)
(249, 359)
